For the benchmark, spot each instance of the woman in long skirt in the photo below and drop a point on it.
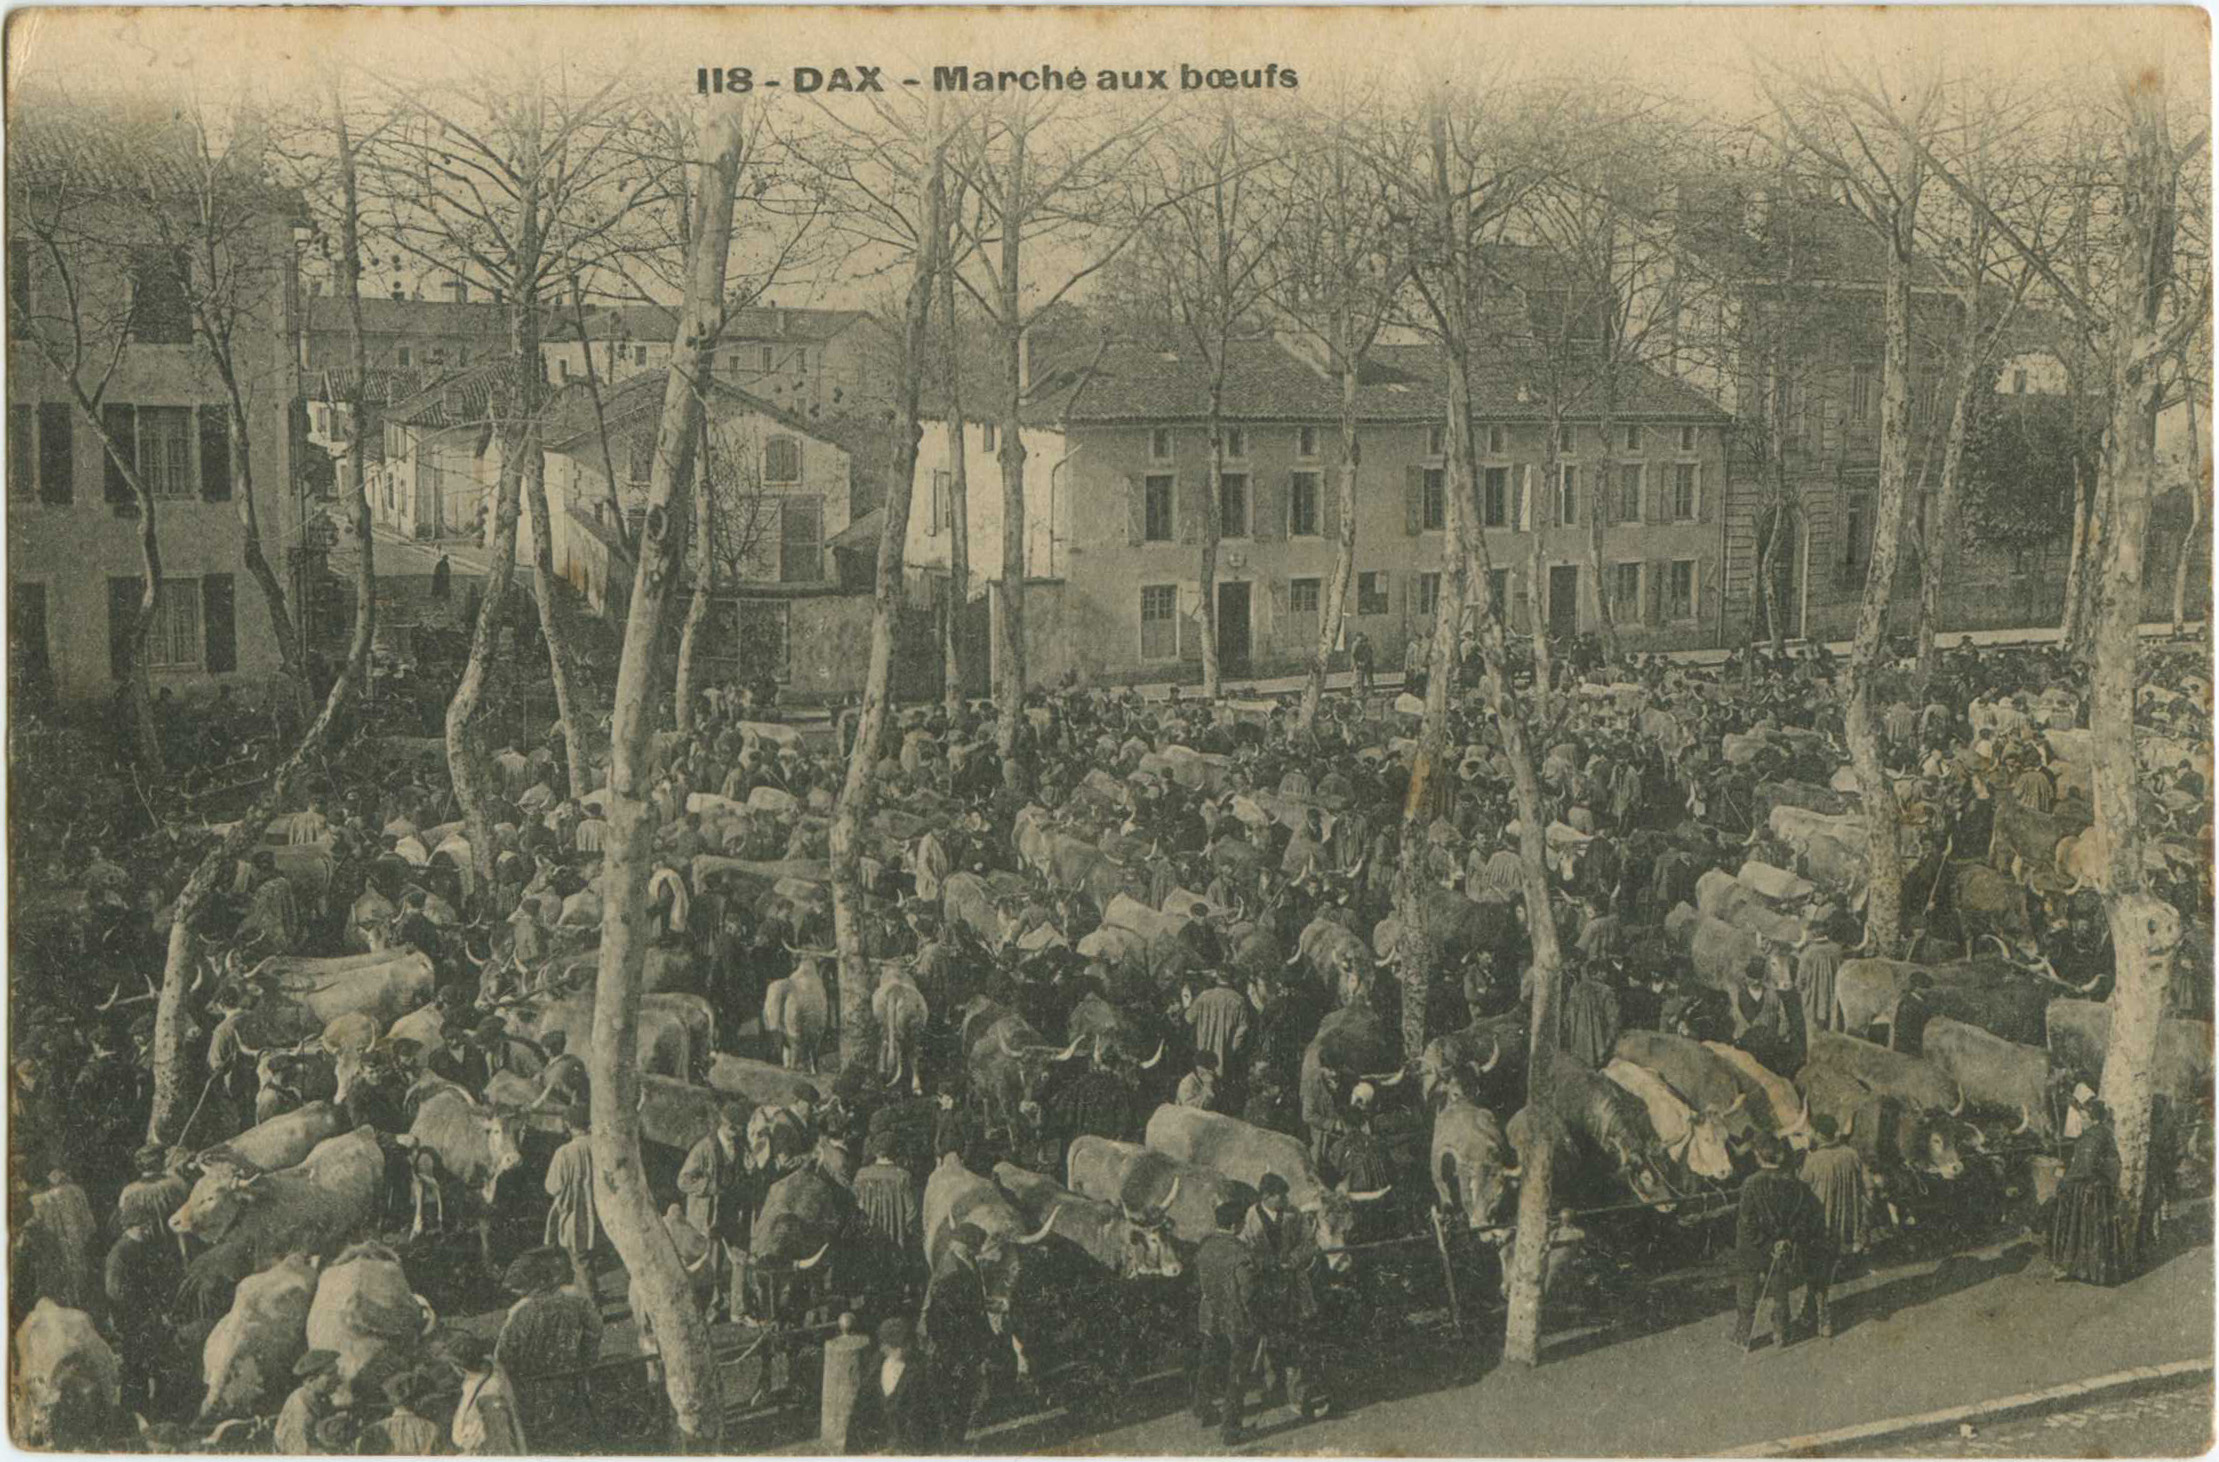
(2085, 1241)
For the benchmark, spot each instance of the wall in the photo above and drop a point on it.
(1048, 511)
(1107, 570)
(73, 549)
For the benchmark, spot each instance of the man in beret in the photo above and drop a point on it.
(1225, 1273)
(310, 1403)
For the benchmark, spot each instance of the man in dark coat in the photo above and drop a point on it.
(1779, 1241)
(1225, 1273)
(958, 1336)
(893, 1412)
(140, 1280)
(1286, 1254)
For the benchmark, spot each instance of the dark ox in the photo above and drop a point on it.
(1895, 1137)
(2079, 1034)
(1488, 1056)
(1457, 928)
(954, 1195)
(1335, 956)
(1247, 1153)
(1130, 1243)
(1098, 1024)
(1603, 1122)
(1891, 1073)
(1009, 1065)
(804, 1214)
(1133, 1178)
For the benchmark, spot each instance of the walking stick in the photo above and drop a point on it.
(1448, 1271)
(206, 1086)
(1764, 1288)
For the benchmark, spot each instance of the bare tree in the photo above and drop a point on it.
(1207, 246)
(624, 1203)
(1340, 263)
(959, 470)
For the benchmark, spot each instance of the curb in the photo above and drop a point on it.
(2142, 1380)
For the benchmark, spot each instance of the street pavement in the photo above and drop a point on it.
(1985, 1324)
(2165, 1424)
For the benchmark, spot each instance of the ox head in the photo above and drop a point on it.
(1141, 1240)
(504, 1151)
(1485, 1181)
(1709, 1147)
(1033, 1065)
(1929, 1142)
(1333, 1221)
(223, 1196)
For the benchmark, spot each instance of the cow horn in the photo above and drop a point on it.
(708, 1252)
(1030, 1239)
(1171, 1195)
(1494, 1054)
(1739, 1102)
(1002, 1037)
(1372, 1196)
(1068, 1051)
(431, 1316)
(2026, 1120)
(812, 1261)
(1150, 1063)
(1847, 1127)
(474, 961)
(1959, 1109)
(110, 1002)
(2008, 952)
(1294, 959)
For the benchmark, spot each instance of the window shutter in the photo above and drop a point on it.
(216, 623)
(1658, 502)
(215, 454)
(22, 451)
(1329, 506)
(1521, 605)
(1698, 492)
(1413, 500)
(1136, 511)
(57, 457)
(1189, 495)
(1525, 498)
(1278, 627)
(122, 425)
(1190, 622)
(1602, 494)
(1654, 576)
(123, 608)
(1267, 512)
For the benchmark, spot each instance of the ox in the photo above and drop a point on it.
(315, 1205)
(1096, 1022)
(1896, 1138)
(1489, 1056)
(759, 1083)
(980, 910)
(281, 1142)
(1894, 1073)
(1771, 1095)
(1457, 928)
(1721, 953)
(1995, 1075)
(900, 1010)
(363, 1309)
(1130, 1243)
(453, 1136)
(1141, 1181)
(1239, 1150)
(798, 1011)
(1600, 1118)
(1009, 1064)
(804, 1214)
(1470, 1163)
(1714, 1088)
(1335, 955)
(1831, 850)
(1695, 1140)
(302, 996)
(1726, 898)
(246, 1364)
(67, 1384)
(954, 1195)
(2079, 1035)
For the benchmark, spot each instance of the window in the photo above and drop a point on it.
(1680, 591)
(1433, 510)
(1302, 505)
(1633, 438)
(801, 361)
(1159, 444)
(763, 359)
(1629, 493)
(2018, 383)
(639, 355)
(166, 450)
(1371, 593)
(563, 366)
(1436, 441)
(989, 436)
(1687, 439)
(640, 460)
(1304, 595)
(1567, 438)
(323, 420)
(438, 355)
(1498, 590)
(1306, 441)
(1495, 497)
(941, 482)
(1429, 594)
(1853, 532)
(782, 460)
(22, 449)
(1687, 499)
(800, 541)
(1567, 498)
(19, 276)
(1232, 504)
(174, 642)
(161, 314)
(1498, 440)
(1625, 591)
(762, 632)
(1156, 526)
(1860, 394)
(406, 357)
(1236, 442)
(1159, 622)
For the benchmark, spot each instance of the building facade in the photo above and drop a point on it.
(74, 567)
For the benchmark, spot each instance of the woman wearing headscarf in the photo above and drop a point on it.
(2085, 1242)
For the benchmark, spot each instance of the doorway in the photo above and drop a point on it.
(1563, 600)
(1232, 631)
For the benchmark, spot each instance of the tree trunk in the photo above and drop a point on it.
(2080, 583)
(1883, 816)
(1009, 689)
(683, 694)
(661, 1289)
(617, 523)
(2195, 531)
(1335, 606)
(1213, 528)
(175, 1095)
(959, 504)
(289, 647)
(2144, 930)
(1941, 531)
(1538, 501)
(858, 1034)
(570, 697)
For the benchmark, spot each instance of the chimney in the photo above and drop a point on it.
(458, 290)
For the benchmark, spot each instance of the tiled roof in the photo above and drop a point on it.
(464, 398)
(636, 403)
(379, 384)
(135, 145)
(479, 319)
(660, 322)
(1266, 381)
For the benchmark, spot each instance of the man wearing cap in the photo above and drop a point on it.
(487, 1421)
(1818, 961)
(958, 1335)
(1835, 1174)
(571, 1224)
(1225, 1275)
(1779, 1241)
(1285, 1250)
(1221, 1020)
(1198, 1088)
(550, 1331)
(140, 1280)
(403, 1431)
(893, 1407)
(715, 1181)
(887, 1197)
(310, 1403)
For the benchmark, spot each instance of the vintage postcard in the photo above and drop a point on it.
(1139, 731)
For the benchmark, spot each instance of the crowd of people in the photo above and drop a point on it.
(1653, 772)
